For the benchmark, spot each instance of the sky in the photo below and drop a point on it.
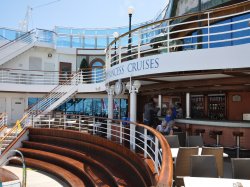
(78, 13)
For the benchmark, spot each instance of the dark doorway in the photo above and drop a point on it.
(65, 71)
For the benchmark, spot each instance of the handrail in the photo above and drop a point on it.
(27, 77)
(18, 38)
(22, 160)
(63, 84)
(16, 126)
(162, 160)
(180, 17)
(3, 119)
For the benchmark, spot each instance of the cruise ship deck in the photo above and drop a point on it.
(162, 103)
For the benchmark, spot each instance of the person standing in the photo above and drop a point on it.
(150, 113)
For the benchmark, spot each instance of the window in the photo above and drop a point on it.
(97, 70)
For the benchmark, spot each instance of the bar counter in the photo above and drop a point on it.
(227, 127)
(231, 124)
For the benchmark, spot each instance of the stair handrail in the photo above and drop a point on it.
(19, 38)
(3, 119)
(56, 87)
(22, 160)
(16, 126)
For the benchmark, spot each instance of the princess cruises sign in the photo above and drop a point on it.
(133, 68)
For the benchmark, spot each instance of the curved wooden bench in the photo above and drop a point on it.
(103, 175)
(66, 176)
(134, 159)
(70, 164)
(118, 165)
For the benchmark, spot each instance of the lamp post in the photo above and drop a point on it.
(116, 35)
(130, 13)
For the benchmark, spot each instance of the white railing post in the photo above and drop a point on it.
(80, 122)
(94, 127)
(64, 121)
(81, 77)
(139, 43)
(145, 142)
(208, 29)
(95, 81)
(120, 50)
(109, 130)
(168, 39)
(156, 155)
(121, 132)
(49, 121)
(110, 56)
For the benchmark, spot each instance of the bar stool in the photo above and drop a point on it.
(237, 134)
(217, 134)
(199, 131)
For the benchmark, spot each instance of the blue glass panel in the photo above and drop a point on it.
(88, 107)
(90, 32)
(97, 107)
(116, 108)
(102, 42)
(63, 41)
(124, 108)
(78, 31)
(63, 30)
(79, 105)
(77, 42)
(89, 43)
(70, 106)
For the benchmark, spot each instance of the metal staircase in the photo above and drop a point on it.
(16, 47)
(60, 94)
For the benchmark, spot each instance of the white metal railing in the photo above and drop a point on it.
(15, 76)
(117, 131)
(60, 94)
(210, 30)
(3, 119)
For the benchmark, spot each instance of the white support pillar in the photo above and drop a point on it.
(110, 91)
(133, 88)
(133, 112)
(188, 104)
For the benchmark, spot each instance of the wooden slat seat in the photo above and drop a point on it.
(101, 174)
(124, 171)
(70, 164)
(66, 176)
(130, 157)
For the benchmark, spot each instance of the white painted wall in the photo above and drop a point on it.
(22, 61)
